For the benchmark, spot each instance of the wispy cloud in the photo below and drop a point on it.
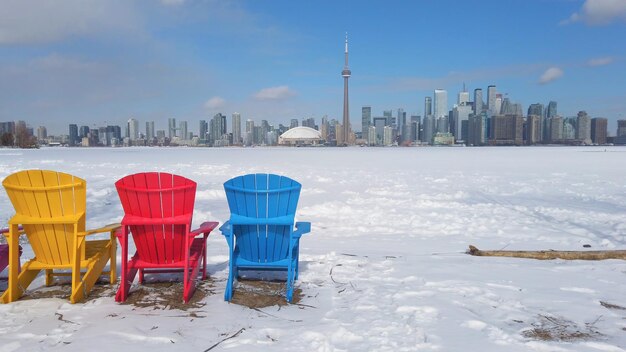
(215, 103)
(601, 61)
(45, 21)
(274, 93)
(172, 2)
(550, 75)
(598, 12)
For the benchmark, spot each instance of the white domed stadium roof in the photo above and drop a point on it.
(301, 133)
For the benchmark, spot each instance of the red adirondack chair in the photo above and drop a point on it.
(158, 209)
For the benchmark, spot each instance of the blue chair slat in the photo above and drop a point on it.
(272, 206)
(249, 181)
(261, 201)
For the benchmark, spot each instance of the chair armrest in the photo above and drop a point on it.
(302, 228)
(206, 227)
(227, 229)
(107, 228)
(6, 230)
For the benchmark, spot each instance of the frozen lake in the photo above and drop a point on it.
(392, 225)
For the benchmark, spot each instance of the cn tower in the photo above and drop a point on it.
(346, 111)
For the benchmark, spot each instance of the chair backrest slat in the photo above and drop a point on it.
(262, 196)
(158, 196)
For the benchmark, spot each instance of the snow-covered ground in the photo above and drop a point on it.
(383, 268)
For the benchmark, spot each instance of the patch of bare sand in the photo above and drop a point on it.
(260, 294)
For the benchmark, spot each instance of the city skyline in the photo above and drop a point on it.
(160, 60)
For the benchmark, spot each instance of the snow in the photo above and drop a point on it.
(384, 266)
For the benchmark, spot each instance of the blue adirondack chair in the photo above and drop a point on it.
(260, 232)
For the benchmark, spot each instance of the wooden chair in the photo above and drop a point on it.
(158, 211)
(260, 232)
(51, 207)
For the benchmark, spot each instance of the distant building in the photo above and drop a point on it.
(535, 109)
(73, 139)
(507, 130)
(379, 126)
(150, 131)
(551, 110)
(583, 127)
(236, 123)
(428, 106)
(621, 128)
(42, 133)
(441, 103)
(388, 136)
(183, 135)
(171, 128)
(300, 136)
(599, 130)
(478, 101)
(133, 129)
(477, 129)
(294, 123)
(556, 129)
(491, 99)
(533, 130)
(366, 121)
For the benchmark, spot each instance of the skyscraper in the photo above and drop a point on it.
(621, 128)
(183, 131)
(428, 106)
(491, 99)
(599, 129)
(171, 128)
(294, 123)
(441, 103)
(583, 127)
(346, 112)
(551, 110)
(535, 109)
(236, 122)
(73, 134)
(133, 129)
(150, 130)
(478, 101)
(366, 121)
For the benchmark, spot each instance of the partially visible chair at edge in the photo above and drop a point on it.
(51, 207)
(260, 232)
(158, 210)
(4, 252)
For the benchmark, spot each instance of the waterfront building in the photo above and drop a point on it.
(599, 130)
(491, 99)
(441, 103)
(366, 121)
(478, 101)
(236, 123)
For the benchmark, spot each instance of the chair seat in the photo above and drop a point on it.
(93, 250)
(195, 253)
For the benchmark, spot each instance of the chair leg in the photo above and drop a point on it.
(129, 271)
(140, 276)
(204, 254)
(49, 277)
(113, 258)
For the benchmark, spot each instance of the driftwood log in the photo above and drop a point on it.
(550, 254)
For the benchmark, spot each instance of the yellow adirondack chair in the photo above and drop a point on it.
(51, 208)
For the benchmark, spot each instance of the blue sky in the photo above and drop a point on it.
(95, 62)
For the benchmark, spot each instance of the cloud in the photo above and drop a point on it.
(172, 2)
(600, 61)
(551, 74)
(215, 103)
(599, 12)
(46, 21)
(274, 93)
